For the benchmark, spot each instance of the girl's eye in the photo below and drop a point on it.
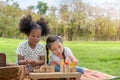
(59, 46)
(38, 36)
(33, 36)
(54, 49)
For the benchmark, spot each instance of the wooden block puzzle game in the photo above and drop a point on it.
(64, 67)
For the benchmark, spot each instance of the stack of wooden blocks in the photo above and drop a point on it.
(45, 69)
(67, 67)
(63, 68)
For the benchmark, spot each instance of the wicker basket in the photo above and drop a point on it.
(13, 73)
(2, 59)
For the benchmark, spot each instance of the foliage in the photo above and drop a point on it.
(72, 19)
(105, 28)
(8, 20)
(42, 7)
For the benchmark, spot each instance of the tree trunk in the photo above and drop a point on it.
(70, 34)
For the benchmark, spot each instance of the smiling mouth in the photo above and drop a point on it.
(59, 53)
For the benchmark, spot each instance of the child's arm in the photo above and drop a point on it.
(71, 58)
(57, 62)
(74, 59)
(39, 62)
(21, 60)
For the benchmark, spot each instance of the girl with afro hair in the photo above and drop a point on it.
(30, 52)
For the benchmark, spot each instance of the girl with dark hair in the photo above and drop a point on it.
(31, 53)
(59, 53)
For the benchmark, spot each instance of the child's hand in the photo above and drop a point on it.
(28, 61)
(67, 60)
(75, 61)
(33, 62)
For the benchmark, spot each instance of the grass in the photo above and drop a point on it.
(103, 56)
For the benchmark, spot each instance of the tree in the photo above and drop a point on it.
(52, 18)
(42, 7)
(72, 15)
(31, 7)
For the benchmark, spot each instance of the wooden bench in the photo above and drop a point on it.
(36, 76)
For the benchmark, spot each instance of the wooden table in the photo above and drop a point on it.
(36, 76)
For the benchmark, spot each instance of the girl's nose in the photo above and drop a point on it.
(58, 50)
(36, 38)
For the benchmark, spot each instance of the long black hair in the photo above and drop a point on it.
(26, 25)
(50, 40)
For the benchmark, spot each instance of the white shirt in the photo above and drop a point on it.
(67, 53)
(25, 50)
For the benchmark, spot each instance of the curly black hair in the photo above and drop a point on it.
(44, 26)
(26, 25)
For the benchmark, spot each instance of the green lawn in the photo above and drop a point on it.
(103, 56)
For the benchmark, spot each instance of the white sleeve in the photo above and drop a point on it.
(67, 52)
(20, 49)
(54, 58)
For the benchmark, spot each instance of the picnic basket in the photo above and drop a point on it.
(2, 59)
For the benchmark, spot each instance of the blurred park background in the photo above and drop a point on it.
(92, 32)
(72, 19)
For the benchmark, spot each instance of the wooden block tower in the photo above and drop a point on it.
(67, 67)
(45, 69)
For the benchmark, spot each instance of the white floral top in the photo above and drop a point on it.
(25, 50)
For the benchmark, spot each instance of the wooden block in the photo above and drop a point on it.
(48, 69)
(42, 69)
(67, 69)
(52, 68)
(73, 69)
(62, 68)
(36, 70)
